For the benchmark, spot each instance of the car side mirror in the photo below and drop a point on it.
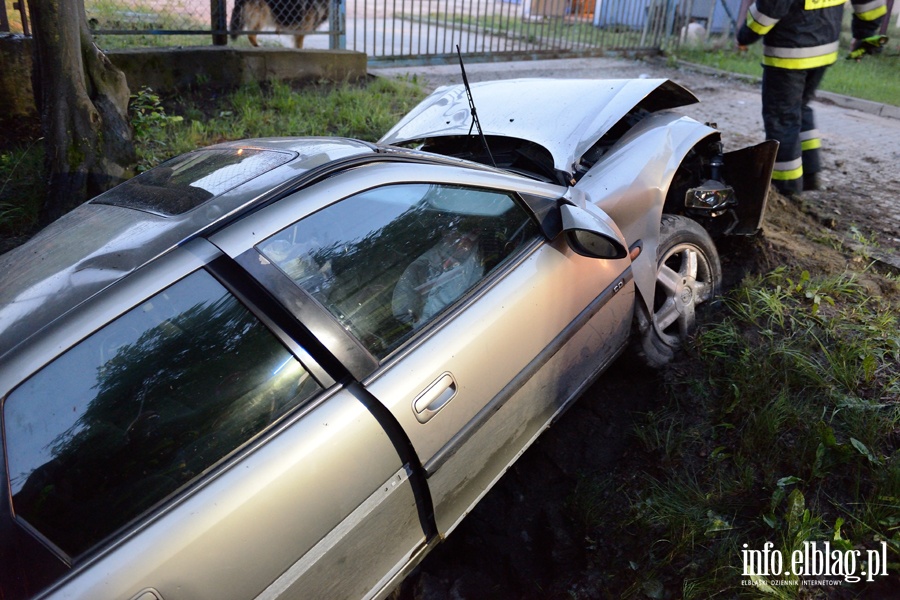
(589, 235)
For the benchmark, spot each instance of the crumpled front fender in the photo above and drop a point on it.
(631, 180)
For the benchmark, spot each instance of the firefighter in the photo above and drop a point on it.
(800, 41)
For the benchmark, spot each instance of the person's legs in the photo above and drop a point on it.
(782, 102)
(810, 143)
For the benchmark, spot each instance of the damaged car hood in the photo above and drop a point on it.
(564, 116)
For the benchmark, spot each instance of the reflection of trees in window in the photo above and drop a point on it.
(369, 267)
(351, 255)
(167, 406)
(366, 264)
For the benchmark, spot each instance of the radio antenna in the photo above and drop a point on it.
(475, 121)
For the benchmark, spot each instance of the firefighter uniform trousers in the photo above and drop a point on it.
(788, 118)
(800, 40)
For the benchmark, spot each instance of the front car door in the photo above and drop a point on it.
(479, 329)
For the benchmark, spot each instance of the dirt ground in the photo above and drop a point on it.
(524, 540)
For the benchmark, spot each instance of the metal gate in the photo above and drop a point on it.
(406, 30)
(430, 30)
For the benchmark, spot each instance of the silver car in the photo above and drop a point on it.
(287, 368)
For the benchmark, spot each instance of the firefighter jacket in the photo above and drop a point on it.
(803, 34)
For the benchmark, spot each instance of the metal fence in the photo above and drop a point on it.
(416, 30)
(405, 30)
(14, 17)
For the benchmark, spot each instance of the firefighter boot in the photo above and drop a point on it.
(789, 189)
(811, 182)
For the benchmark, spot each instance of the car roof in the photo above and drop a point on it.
(101, 241)
(565, 116)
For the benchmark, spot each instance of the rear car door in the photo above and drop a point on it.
(174, 440)
(473, 329)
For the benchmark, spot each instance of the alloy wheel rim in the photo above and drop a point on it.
(683, 282)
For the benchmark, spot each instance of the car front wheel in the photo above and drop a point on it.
(688, 274)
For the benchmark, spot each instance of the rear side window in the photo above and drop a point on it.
(141, 408)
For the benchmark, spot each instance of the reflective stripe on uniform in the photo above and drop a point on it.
(813, 144)
(758, 22)
(817, 4)
(870, 10)
(800, 63)
(810, 52)
(788, 170)
(810, 140)
(800, 58)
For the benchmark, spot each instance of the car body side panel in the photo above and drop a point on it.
(496, 335)
(489, 340)
(386, 516)
(631, 181)
(494, 338)
(476, 465)
(247, 526)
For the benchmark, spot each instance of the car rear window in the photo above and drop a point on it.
(141, 408)
(178, 185)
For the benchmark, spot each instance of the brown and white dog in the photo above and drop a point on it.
(282, 15)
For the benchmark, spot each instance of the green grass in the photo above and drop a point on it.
(779, 426)
(168, 126)
(22, 187)
(277, 109)
(872, 78)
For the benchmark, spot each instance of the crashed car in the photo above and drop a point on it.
(287, 368)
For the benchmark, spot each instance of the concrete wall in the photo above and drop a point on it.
(174, 69)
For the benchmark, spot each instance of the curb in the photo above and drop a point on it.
(867, 106)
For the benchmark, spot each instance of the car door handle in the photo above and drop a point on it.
(434, 398)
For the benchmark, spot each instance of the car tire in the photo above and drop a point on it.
(688, 274)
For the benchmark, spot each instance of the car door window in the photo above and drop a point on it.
(141, 408)
(389, 260)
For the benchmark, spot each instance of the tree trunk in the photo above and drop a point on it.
(84, 108)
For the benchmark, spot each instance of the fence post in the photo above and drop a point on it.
(23, 12)
(671, 14)
(337, 22)
(218, 18)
